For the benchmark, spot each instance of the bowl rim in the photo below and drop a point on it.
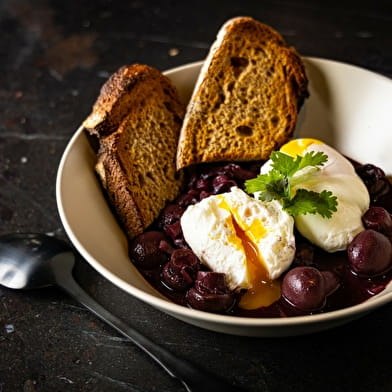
(185, 312)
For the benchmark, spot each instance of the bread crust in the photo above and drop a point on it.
(246, 100)
(137, 119)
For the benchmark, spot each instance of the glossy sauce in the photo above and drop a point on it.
(352, 290)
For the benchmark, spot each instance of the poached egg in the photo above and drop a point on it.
(338, 176)
(252, 242)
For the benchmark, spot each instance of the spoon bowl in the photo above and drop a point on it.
(33, 260)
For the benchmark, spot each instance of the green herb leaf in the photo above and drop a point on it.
(283, 163)
(309, 202)
(276, 185)
(312, 158)
(288, 166)
(271, 185)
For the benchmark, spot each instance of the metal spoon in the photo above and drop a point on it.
(30, 261)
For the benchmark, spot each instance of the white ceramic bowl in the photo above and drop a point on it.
(349, 108)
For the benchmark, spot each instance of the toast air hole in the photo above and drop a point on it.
(238, 64)
(244, 130)
(141, 179)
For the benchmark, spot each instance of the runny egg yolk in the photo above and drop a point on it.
(264, 291)
(297, 146)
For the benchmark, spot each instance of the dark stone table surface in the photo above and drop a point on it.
(54, 56)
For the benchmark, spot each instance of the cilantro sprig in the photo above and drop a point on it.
(278, 184)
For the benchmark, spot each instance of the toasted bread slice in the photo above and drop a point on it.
(137, 119)
(247, 97)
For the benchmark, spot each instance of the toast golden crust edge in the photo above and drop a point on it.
(201, 139)
(120, 198)
(113, 102)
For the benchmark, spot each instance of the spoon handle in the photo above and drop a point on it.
(194, 379)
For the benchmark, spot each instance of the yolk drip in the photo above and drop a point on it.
(297, 146)
(263, 291)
